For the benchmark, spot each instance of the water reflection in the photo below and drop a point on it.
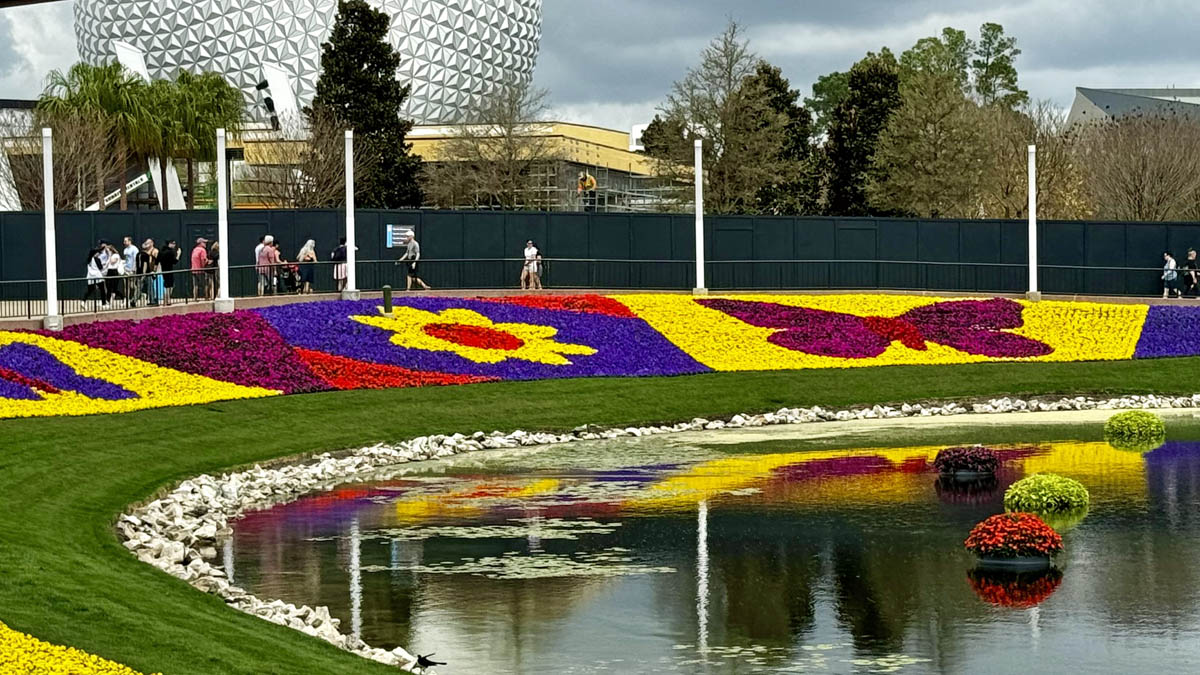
(836, 561)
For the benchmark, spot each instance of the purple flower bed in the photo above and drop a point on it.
(971, 326)
(1169, 331)
(625, 346)
(240, 347)
(39, 364)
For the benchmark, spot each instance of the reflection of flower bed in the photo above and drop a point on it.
(980, 491)
(1016, 590)
(319, 346)
(1013, 535)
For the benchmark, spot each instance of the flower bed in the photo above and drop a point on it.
(1013, 535)
(117, 366)
(21, 653)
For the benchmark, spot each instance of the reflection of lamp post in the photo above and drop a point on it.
(702, 576)
(1034, 629)
(227, 557)
(355, 581)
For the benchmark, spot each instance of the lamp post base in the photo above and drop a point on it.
(699, 291)
(1034, 296)
(351, 295)
(54, 323)
(223, 305)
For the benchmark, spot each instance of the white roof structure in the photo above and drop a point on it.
(454, 52)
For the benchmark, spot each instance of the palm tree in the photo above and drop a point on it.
(111, 94)
(167, 107)
(207, 103)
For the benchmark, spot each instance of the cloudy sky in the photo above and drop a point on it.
(610, 62)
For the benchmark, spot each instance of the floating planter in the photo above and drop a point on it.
(967, 464)
(1045, 493)
(1016, 590)
(1135, 430)
(1013, 541)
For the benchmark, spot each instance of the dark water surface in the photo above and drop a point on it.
(670, 557)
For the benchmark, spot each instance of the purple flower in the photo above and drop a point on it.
(1169, 331)
(34, 362)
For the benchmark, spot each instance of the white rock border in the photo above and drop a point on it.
(178, 533)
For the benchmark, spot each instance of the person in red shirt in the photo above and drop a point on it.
(199, 276)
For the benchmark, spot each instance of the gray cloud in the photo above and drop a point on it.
(10, 59)
(613, 62)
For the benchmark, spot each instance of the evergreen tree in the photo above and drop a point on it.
(873, 94)
(948, 55)
(358, 85)
(930, 157)
(828, 92)
(666, 138)
(796, 189)
(995, 70)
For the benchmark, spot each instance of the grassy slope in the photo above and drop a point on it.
(64, 577)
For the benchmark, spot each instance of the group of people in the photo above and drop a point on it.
(1180, 280)
(133, 275)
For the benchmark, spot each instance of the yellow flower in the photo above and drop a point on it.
(475, 337)
(20, 653)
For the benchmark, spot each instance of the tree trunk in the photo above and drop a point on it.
(123, 158)
(162, 168)
(191, 178)
(99, 187)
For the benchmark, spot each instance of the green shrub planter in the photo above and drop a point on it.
(1046, 493)
(1135, 430)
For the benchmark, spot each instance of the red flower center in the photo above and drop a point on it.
(474, 336)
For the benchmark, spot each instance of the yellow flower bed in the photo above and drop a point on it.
(25, 655)
(1074, 331)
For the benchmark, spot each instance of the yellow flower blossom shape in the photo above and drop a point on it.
(475, 337)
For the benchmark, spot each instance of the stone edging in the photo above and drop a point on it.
(178, 533)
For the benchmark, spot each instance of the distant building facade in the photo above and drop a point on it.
(1100, 105)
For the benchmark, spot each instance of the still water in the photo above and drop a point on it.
(684, 556)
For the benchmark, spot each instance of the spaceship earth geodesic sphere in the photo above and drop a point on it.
(453, 52)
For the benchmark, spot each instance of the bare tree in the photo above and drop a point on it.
(1141, 167)
(83, 158)
(721, 101)
(1007, 135)
(306, 167)
(500, 158)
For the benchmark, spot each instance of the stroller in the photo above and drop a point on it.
(289, 278)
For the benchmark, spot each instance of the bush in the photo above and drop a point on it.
(977, 459)
(1011, 535)
(1046, 493)
(1135, 430)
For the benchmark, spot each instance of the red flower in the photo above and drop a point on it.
(1010, 535)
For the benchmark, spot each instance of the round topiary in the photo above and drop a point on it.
(1135, 430)
(1046, 493)
(976, 459)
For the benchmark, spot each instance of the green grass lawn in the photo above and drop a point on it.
(65, 578)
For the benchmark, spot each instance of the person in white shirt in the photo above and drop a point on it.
(531, 270)
(410, 259)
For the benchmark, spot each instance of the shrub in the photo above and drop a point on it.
(1135, 430)
(1046, 493)
(977, 459)
(1011, 535)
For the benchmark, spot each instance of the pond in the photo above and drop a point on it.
(721, 553)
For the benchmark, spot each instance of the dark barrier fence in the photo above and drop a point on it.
(467, 249)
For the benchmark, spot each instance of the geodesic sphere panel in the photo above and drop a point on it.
(453, 52)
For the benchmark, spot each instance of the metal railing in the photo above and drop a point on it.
(26, 299)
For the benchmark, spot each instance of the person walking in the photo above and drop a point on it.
(132, 283)
(306, 259)
(114, 270)
(411, 258)
(168, 258)
(147, 261)
(531, 272)
(199, 263)
(586, 189)
(1170, 277)
(1191, 274)
(268, 257)
(264, 242)
(214, 259)
(95, 277)
(339, 264)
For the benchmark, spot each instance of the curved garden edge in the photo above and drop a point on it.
(178, 532)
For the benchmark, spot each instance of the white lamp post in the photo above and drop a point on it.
(223, 303)
(53, 320)
(700, 288)
(351, 291)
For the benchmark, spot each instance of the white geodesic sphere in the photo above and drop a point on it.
(453, 52)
